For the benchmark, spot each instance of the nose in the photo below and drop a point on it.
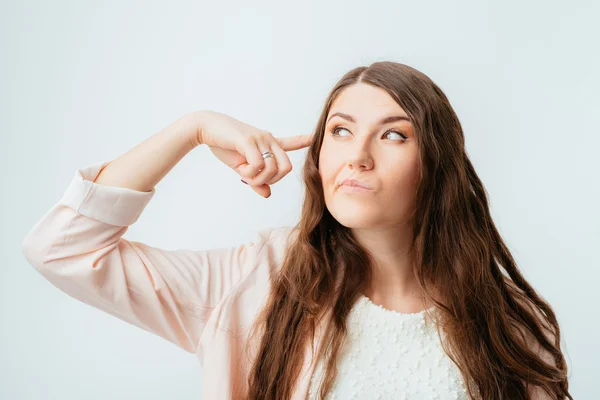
(359, 156)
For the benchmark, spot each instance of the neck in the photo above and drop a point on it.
(393, 283)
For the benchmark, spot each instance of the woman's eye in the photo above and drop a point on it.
(403, 137)
(337, 129)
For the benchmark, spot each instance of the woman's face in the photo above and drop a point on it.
(381, 155)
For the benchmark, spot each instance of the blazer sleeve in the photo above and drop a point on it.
(78, 247)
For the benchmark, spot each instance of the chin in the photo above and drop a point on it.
(355, 219)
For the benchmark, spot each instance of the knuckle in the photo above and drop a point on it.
(248, 140)
(286, 167)
(260, 135)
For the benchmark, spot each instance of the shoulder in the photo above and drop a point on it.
(284, 234)
(276, 240)
(271, 245)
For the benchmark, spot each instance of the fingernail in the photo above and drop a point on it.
(244, 181)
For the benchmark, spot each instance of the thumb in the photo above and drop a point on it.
(295, 142)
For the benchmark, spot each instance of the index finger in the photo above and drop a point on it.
(295, 142)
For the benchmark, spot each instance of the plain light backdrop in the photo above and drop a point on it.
(86, 81)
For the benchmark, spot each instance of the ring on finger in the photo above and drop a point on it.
(266, 154)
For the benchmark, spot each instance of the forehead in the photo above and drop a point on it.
(365, 102)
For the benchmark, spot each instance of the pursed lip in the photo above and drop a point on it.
(355, 182)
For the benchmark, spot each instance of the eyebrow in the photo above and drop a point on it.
(386, 120)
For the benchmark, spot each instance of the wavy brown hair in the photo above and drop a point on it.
(504, 338)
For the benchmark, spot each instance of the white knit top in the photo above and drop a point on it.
(391, 355)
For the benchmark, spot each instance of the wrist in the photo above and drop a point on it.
(191, 128)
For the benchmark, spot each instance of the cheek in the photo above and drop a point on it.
(400, 177)
(327, 167)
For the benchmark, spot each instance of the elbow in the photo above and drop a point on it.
(31, 249)
(35, 248)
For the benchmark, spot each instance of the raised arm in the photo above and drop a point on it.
(142, 167)
(78, 245)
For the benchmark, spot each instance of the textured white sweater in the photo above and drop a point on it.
(391, 355)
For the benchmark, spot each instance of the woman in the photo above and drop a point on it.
(394, 214)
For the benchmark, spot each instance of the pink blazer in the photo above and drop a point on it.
(203, 301)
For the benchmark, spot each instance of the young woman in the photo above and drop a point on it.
(395, 282)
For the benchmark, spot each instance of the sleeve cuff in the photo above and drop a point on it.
(109, 204)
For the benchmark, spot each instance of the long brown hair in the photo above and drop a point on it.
(492, 318)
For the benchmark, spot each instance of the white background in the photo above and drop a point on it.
(86, 81)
